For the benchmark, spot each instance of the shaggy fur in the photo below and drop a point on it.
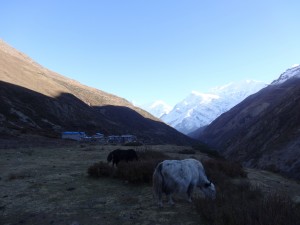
(180, 176)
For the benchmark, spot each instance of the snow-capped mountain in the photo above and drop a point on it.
(200, 109)
(263, 130)
(289, 73)
(157, 108)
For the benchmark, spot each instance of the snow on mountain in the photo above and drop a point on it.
(289, 73)
(157, 108)
(200, 109)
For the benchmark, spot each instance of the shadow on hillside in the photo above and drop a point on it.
(153, 131)
(24, 108)
(29, 111)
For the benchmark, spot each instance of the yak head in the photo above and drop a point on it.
(209, 190)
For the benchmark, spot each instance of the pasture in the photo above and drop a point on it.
(50, 185)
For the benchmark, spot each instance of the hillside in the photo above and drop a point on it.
(37, 100)
(264, 130)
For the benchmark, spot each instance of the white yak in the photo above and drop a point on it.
(181, 176)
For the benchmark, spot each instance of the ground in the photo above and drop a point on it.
(50, 185)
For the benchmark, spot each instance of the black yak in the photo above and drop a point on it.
(121, 155)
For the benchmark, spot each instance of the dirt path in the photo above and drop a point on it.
(51, 186)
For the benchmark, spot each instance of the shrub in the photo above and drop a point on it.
(141, 171)
(207, 150)
(100, 169)
(134, 171)
(215, 168)
(238, 202)
(150, 155)
(187, 151)
(137, 171)
(248, 206)
(15, 176)
(133, 144)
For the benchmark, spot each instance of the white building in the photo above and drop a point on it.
(121, 138)
(73, 135)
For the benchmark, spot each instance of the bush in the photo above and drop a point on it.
(134, 171)
(135, 143)
(137, 171)
(215, 168)
(141, 171)
(203, 148)
(101, 169)
(150, 155)
(248, 206)
(187, 151)
(15, 176)
(238, 202)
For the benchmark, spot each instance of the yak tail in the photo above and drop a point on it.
(157, 182)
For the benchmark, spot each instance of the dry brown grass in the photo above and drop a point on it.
(101, 169)
(60, 191)
(134, 171)
(239, 202)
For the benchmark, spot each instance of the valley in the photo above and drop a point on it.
(164, 80)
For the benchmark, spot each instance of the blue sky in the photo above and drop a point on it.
(157, 49)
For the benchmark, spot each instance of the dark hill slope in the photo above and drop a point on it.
(37, 100)
(262, 131)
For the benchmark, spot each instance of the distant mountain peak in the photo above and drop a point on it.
(200, 97)
(157, 108)
(294, 71)
(199, 109)
(203, 95)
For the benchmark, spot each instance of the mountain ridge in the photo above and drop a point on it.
(262, 131)
(157, 108)
(68, 104)
(199, 109)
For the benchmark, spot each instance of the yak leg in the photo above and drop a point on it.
(190, 192)
(171, 202)
(159, 196)
(116, 161)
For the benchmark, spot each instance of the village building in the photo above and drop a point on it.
(115, 139)
(78, 136)
(99, 137)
